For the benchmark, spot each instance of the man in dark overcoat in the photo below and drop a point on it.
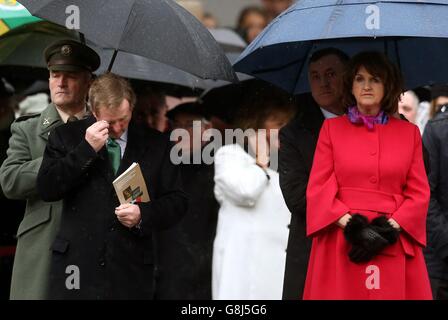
(105, 250)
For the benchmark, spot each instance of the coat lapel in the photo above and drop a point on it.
(313, 120)
(135, 147)
(49, 119)
(103, 166)
(102, 163)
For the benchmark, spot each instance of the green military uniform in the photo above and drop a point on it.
(37, 230)
(18, 175)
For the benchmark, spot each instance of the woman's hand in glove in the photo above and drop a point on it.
(384, 227)
(366, 241)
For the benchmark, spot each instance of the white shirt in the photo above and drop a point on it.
(123, 141)
(422, 115)
(328, 114)
(64, 115)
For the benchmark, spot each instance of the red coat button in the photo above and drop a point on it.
(373, 180)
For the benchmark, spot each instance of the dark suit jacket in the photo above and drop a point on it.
(298, 142)
(186, 249)
(435, 139)
(114, 262)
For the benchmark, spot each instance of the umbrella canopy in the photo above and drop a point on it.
(159, 30)
(24, 46)
(138, 67)
(413, 33)
(12, 15)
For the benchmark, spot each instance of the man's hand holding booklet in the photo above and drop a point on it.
(130, 186)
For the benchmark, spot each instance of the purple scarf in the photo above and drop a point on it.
(357, 117)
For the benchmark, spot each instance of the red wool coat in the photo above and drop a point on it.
(372, 173)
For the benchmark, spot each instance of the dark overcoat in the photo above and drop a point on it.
(114, 262)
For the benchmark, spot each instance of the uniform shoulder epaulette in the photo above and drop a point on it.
(27, 116)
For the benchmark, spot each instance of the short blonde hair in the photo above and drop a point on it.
(108, 91)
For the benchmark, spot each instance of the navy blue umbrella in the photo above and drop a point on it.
(413, 33)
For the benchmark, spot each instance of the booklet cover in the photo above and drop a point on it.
(130, 186)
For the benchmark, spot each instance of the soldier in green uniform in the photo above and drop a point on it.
(70, 64)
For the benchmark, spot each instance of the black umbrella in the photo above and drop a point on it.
(21, 53)
(137, 67)
(229, 40)
(160, 30)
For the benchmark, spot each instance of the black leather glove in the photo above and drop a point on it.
(359, 254)
(366, 242)
(385, 229)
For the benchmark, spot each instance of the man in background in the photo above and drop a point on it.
(408, 106)
(298, 141)
(186, 249)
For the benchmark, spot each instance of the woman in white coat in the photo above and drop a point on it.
(252, 233)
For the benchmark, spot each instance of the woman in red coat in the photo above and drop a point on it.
(368, 195)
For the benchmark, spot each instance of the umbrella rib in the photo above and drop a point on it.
(329, 5)
(121, 38)
(180, 18)
(112, 60)
(338, 3)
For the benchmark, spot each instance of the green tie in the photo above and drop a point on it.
(114, 151)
